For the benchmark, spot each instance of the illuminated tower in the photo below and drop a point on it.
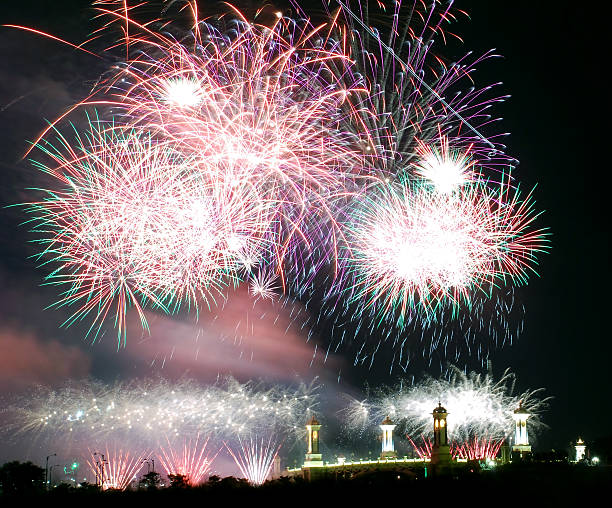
(521, 444)
(313, 456)
(440, 451)
(580, 449)
(388, 451)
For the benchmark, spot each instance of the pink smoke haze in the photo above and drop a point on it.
(25, 360)
(244, 337)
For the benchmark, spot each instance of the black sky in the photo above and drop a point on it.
(552, 66)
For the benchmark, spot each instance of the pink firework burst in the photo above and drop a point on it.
(478, 448)
(135, 225)
(259, 106)
(193, 461)
(410, 247)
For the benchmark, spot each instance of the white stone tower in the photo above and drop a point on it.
(388, 450)
(313, 456)
(521, 439)
(440, 451)
(580, 449)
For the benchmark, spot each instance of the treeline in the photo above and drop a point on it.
(536, 482)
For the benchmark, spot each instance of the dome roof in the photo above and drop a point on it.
(521, 410)
(387, 421)
(313, 421)
(440, 409)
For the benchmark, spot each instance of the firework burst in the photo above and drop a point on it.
(138, 411)
(480, 408)
(115, 469)
(412, 248)
(255, 458)
(192, 461)
(218, 149)
(134, 225)
(434, 241)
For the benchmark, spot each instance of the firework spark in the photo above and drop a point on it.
(478, 449)
(474, 449)
(446, 171)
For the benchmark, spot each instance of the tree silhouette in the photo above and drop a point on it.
(178, 481)
(150, 481)
(21, 478)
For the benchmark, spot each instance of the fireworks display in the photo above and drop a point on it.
(192, 460)
(413, 248)
(255, 458)
(342, 165)
(311, 160)
(115, 469)
(481, 411)
(144, 411)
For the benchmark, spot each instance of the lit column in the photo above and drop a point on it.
(580, 449)
(313, 456)
(440, 451)
(521, 439)
(388, 451)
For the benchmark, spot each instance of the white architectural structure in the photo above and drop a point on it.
(388, 450)
(580, 449)
(313, 456)
(521, 439)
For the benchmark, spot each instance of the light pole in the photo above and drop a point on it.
(47, 470)
(100, 469)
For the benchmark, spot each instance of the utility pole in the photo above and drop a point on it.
(100, 469)
(47, 470)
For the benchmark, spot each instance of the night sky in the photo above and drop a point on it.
(556, 118)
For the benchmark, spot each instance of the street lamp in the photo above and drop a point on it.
(47, 470)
